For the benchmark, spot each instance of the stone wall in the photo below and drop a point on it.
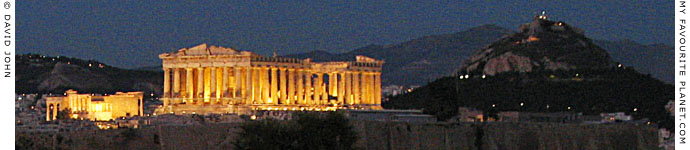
(499, 136)
(373, 136)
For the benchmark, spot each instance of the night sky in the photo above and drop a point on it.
(131, 34)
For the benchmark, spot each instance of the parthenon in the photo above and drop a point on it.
(212, 79)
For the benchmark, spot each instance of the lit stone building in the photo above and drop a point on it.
(96, 107)
(211, 79)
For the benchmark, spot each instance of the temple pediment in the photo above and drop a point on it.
(204, 50)
(362, 58)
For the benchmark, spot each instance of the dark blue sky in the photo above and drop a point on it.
(131, 34)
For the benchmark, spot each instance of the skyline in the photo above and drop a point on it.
(131, 34)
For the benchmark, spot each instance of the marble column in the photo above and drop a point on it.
(166, 83)
(377, 88)
(341, 88)
(183, 83)
(324, 93)
(190, 83)
(300, 86)
(55, 111)
(370, 84)
(370, 88)
(251, 84)
(48, 112)
(219, 83)
(247, 90)
(213, 85)
(308, 88)
(256, 88)
(355, 87)
(255, 85)
(199, 86)
(176, 83)
(225, 85)
(332, 84)
(264, 85)
(238, 82)
(206, 85)
(364, 91)
(274, 86)
(317, 89)
(283, 85)
(348, 88)
(291, 86)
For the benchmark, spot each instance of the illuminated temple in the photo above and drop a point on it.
(95, 107)
(211, 79)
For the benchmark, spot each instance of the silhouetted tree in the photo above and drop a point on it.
(308, 131)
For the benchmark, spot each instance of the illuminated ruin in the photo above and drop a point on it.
(95, 107)
(211, 79)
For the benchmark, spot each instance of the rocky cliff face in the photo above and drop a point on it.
(540, 45)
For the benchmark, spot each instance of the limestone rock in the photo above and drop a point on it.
(540, 45)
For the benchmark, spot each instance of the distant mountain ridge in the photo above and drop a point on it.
(654, 59)
(421, 60)
(45, 74)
